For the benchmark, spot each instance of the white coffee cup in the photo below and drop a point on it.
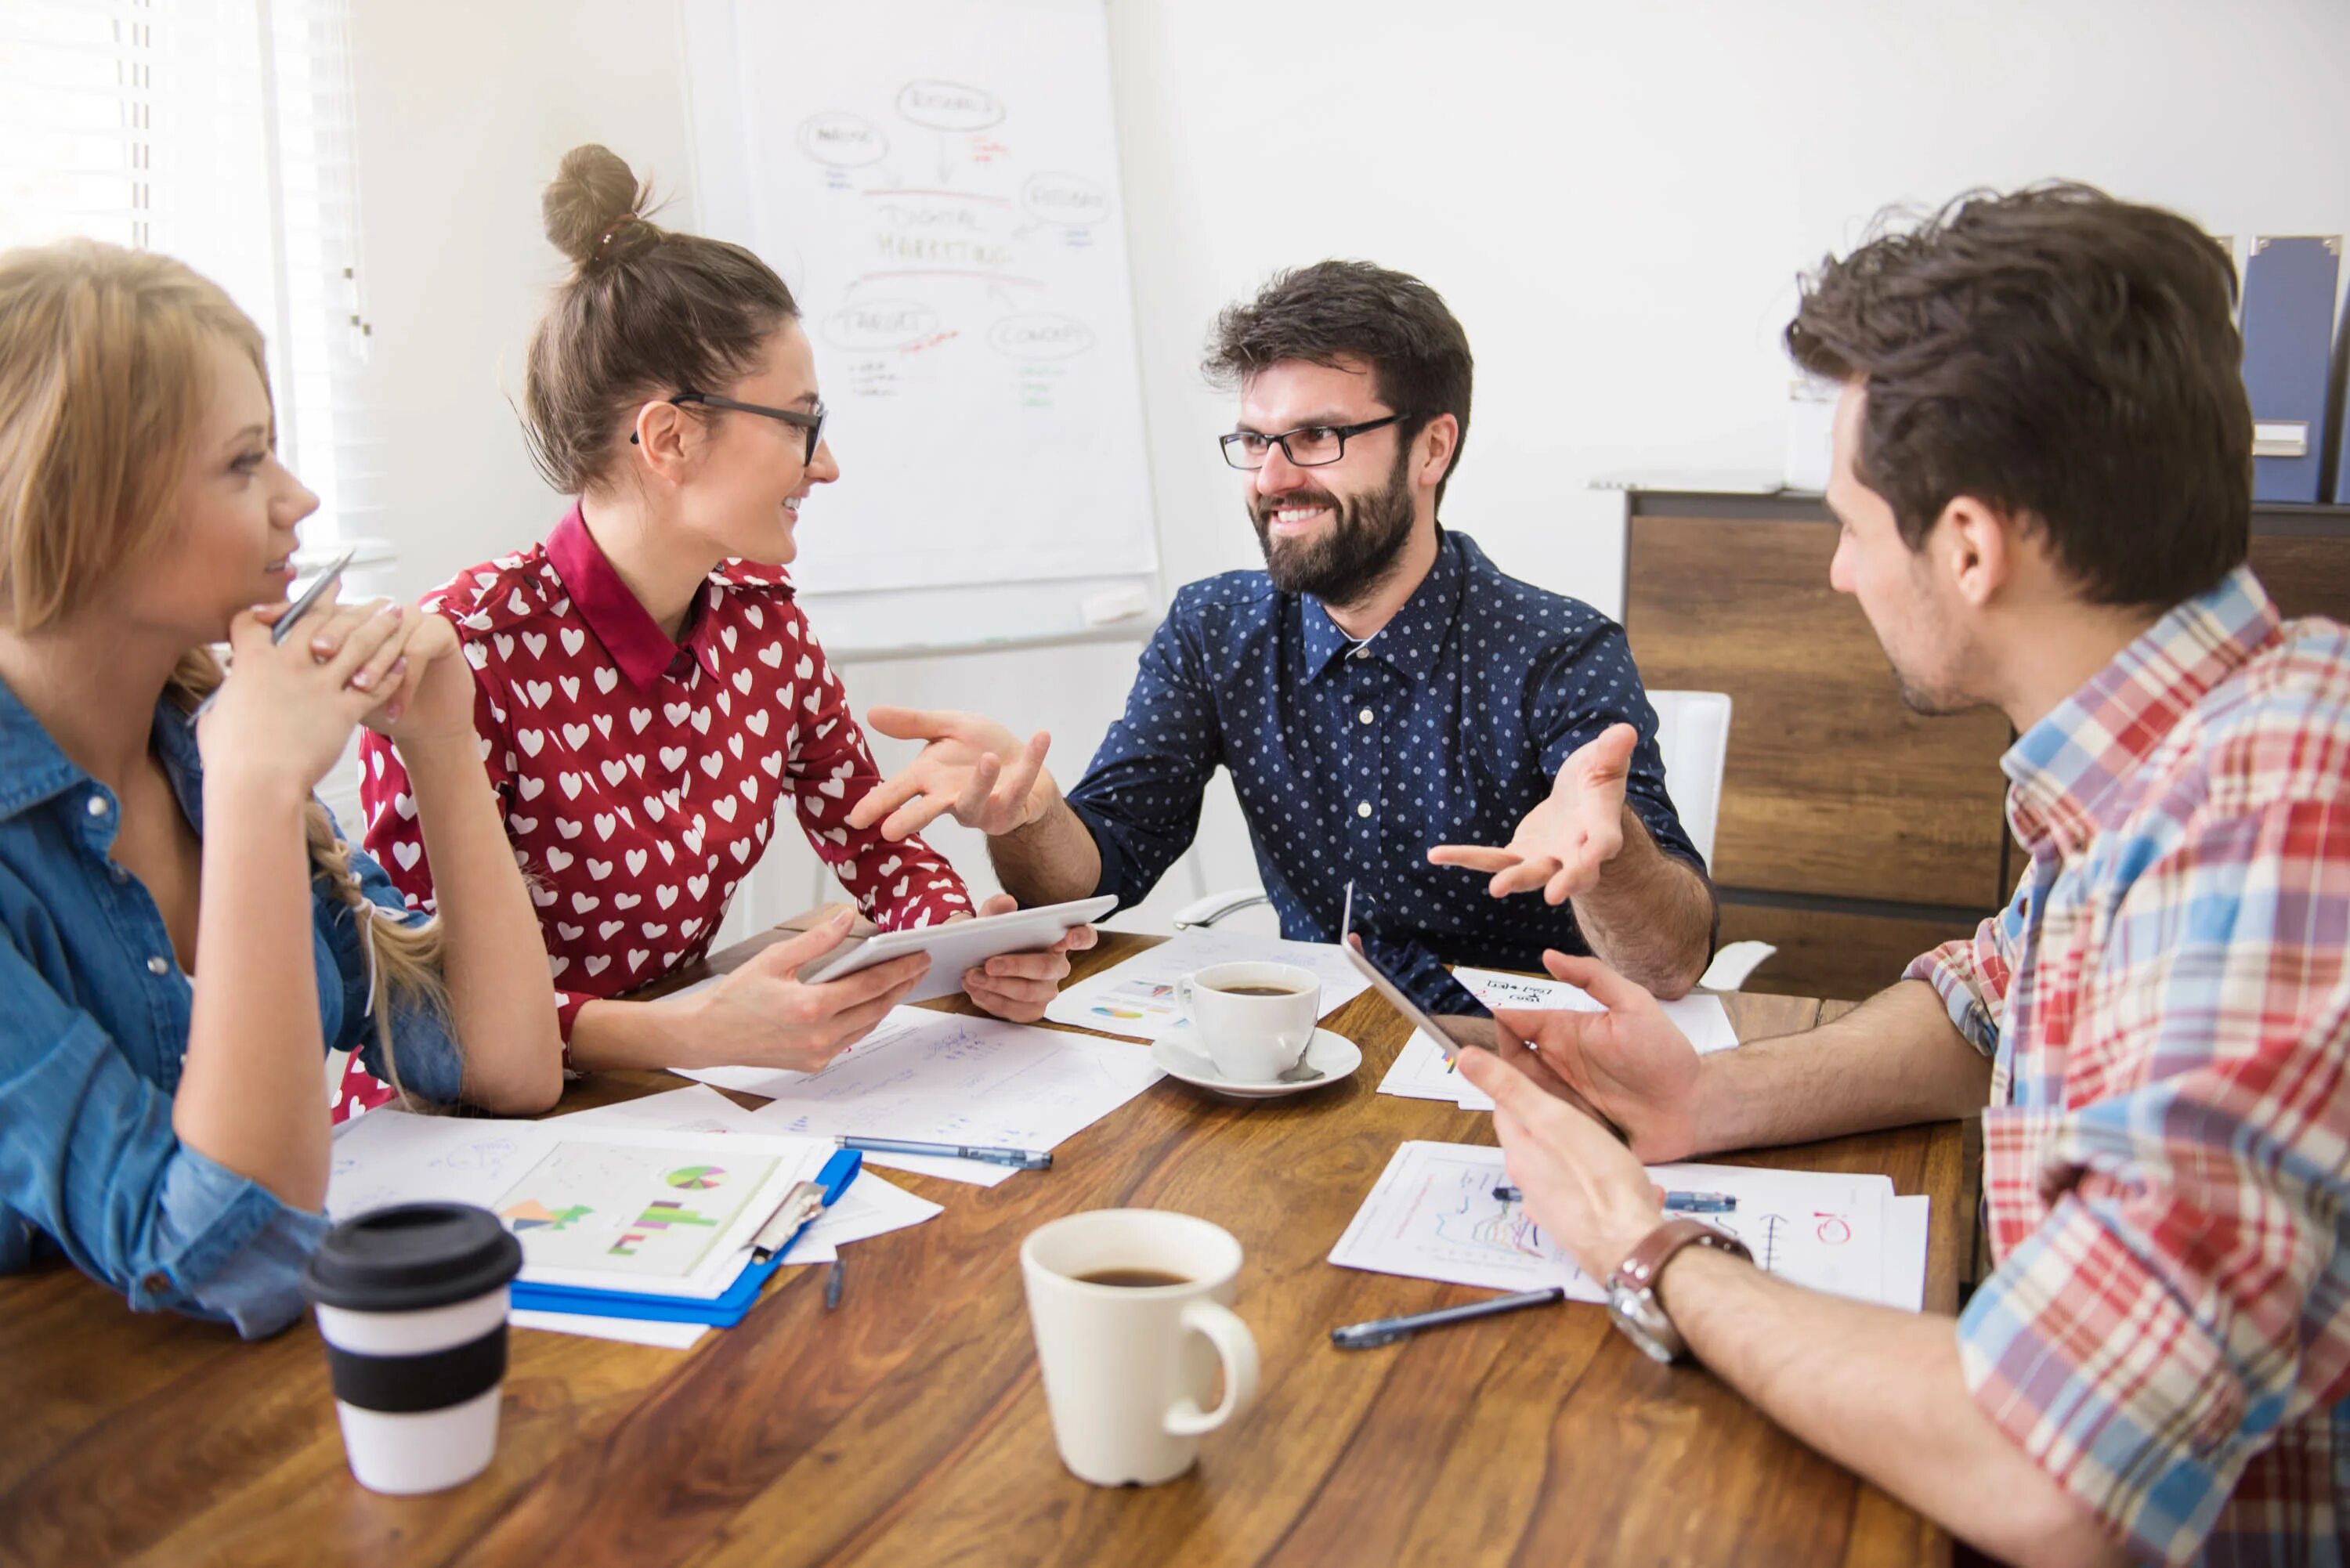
(1128, 1367)
(412, 1302)
(1251, 1039)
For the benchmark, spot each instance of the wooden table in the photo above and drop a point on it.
(909, 1427)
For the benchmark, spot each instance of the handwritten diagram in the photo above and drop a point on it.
(947, 245)
(1433, 1215)
(943, 202)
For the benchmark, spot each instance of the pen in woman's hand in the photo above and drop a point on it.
(321, 587)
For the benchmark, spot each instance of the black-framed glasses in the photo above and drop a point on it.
(812, 423)
(1307, 446)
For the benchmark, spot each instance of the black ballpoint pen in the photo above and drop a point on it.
(1388, 1330)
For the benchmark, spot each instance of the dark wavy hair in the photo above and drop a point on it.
(2067, 357)
(1350, 309)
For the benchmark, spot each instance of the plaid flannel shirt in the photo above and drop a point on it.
(2166, 1149)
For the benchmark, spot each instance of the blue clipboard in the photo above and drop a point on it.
(720, 1311)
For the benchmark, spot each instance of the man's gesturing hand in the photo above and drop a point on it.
(969, 766)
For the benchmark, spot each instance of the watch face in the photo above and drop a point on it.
(1643, 1322)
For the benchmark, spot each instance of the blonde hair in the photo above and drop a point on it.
(102, 387)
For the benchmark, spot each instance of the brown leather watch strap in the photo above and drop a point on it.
(1640, 1267)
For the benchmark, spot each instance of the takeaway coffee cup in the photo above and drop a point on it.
(1253, 1020)
(1132, 1312)
(412, 1302)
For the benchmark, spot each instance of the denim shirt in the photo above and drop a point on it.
(94, 1014)
(1351, 760)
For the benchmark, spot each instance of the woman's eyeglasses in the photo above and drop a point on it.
(812, 423)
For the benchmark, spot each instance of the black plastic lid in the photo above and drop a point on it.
(412, 1256)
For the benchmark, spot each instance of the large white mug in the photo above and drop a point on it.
(1128, 1367)
(1253, 1020)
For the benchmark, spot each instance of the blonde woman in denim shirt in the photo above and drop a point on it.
(183, 934)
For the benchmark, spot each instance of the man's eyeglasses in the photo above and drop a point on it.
(812, 423)
(1307, 446)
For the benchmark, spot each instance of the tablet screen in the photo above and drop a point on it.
(1417, 983)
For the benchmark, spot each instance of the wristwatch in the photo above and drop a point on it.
(1632, 1301)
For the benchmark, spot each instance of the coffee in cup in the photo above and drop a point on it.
(412, 1302)
(1132, 1311)
(1253, 1020)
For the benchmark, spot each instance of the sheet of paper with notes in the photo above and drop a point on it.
(1433, 1215)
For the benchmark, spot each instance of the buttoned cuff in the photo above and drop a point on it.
(1118, 867)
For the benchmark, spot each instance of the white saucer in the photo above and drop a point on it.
(1337, 1056)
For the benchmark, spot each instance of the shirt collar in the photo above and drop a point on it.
(613, 613)
(2065, 766)
(1409, 640)
(33, 769)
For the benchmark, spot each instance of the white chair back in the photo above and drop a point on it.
(1693, 734)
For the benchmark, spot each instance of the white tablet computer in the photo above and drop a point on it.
(960, 945)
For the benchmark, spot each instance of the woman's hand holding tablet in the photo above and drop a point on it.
(959, 946)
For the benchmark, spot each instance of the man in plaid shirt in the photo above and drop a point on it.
(2043, 478)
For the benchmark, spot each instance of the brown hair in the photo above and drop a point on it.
(102, 388)
(646, 313)
(1334, 310)
(2067, 357)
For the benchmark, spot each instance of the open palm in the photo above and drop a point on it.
(1564, 843)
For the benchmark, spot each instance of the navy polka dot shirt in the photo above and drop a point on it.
(1351, 760)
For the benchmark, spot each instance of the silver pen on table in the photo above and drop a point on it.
(1019, 1159)
(320, 586)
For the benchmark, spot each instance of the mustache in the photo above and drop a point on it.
(1264, 506)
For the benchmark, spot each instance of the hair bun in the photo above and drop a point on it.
(592, 192)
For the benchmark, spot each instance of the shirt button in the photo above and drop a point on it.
(158, 965)
(118, 873)
(1366, 716)
(1364, 809)
(1363, 652)
(98, 806)
(156, 1284)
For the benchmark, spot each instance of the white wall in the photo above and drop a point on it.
(463, 111)
(1615, 199)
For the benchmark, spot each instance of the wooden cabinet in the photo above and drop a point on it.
(1854, 833)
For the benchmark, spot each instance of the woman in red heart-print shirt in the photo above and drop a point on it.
(647, 689)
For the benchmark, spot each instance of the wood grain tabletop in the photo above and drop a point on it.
(909, 1427)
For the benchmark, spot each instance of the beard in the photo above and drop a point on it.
(1359, 551)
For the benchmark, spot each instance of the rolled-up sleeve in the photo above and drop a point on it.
(1140, 798)
(87, 1157)
(1971, 974)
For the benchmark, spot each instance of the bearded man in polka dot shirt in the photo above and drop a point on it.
(1395, 712)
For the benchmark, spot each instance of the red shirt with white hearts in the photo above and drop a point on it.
(638, 775)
